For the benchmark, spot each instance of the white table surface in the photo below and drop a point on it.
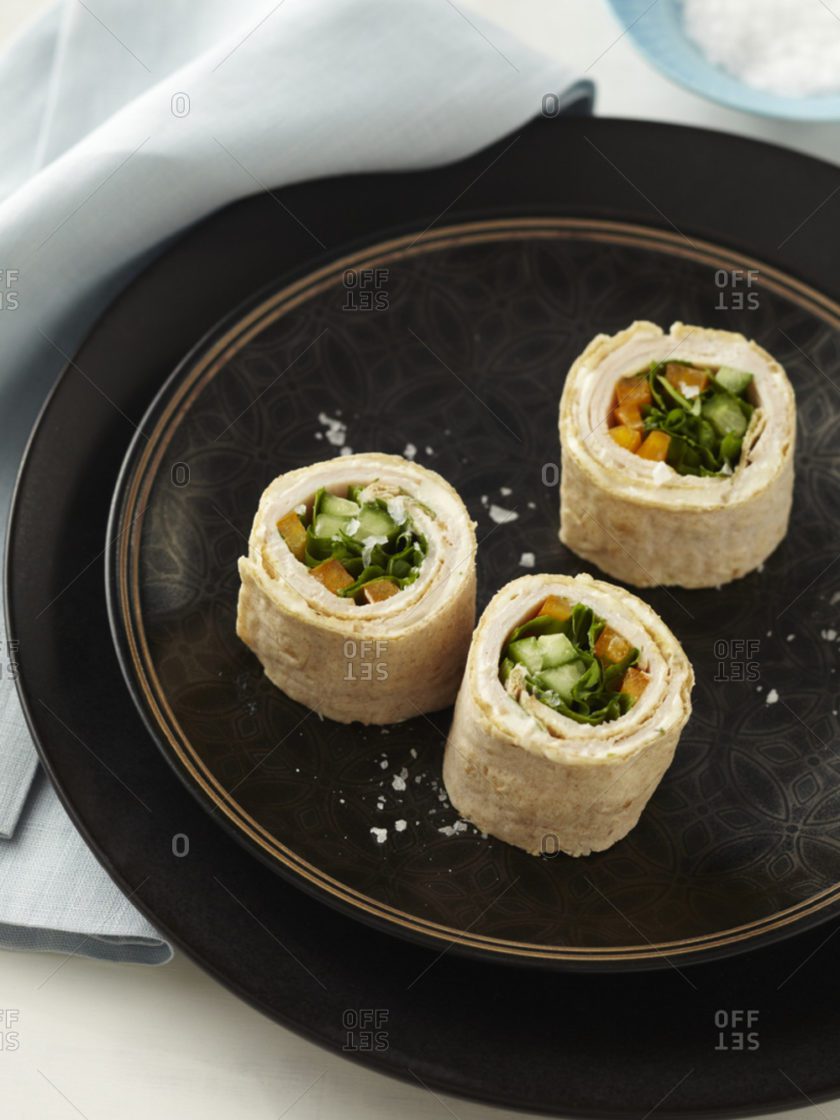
(128, 1043)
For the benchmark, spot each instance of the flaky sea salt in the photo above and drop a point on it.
(660, 474)
(527, 560)
(368, 545)
(336, 432)
(453, 829)
(396, 509)
(772, 697)
(381, 834)
(502, 516)
(787, 47)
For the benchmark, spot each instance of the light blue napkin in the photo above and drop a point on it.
(122, 126)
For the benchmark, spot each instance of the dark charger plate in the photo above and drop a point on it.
(621, 1043)
(453, 343)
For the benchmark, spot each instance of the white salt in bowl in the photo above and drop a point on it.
(659, 34)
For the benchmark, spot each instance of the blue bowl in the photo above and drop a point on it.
(659, 35)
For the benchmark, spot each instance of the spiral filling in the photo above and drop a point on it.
(361, 545)
(691, 417)
(568, 658)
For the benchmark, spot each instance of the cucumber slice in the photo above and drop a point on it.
(556, 649)
(374, 522)
(562, 679)
(725, 415)
(735, 380)
(328, 526)
(338, 507)
(526, 651)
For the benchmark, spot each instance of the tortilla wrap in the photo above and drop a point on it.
(380, 662)
(642, 522)
(537, 779)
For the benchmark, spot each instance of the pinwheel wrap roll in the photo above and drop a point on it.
(376, 662)
(531, 776)
(639, 520)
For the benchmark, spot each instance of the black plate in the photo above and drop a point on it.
(585, 1044)
(456, 341)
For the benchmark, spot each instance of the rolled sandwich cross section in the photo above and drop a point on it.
(358, 591)
(572, 703)
(677, 455)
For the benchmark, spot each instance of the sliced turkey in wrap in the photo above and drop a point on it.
(378, 662)
(641, 521)
(529, 775)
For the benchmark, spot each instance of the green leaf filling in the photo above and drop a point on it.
(707, 430)
(582, 687)
(398, 557)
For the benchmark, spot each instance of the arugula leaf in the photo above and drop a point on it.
(398, 559)
(594, 696)
(695, 447)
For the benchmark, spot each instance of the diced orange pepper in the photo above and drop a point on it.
(629, 415)
(292, 531)
(333, 575)
(634, 682)
(611, 647)
(555, 607)
(633, 390)
(628, 438)
(680, 376)
(655, 447)
(379, 589)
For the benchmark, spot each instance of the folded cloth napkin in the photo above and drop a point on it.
(130, 121)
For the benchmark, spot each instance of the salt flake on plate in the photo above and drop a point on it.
(336, 432)
(502, 516)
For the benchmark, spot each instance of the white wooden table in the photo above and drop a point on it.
(128, 1043)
